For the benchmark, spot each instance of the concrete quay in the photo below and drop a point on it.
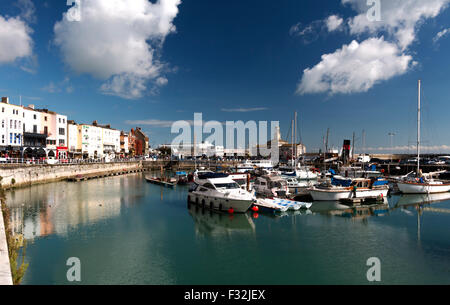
(5, 267)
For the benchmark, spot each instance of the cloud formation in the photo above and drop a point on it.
(355, 68)
(358, 66)
(15, 34)
(441, 34)
(118, 42)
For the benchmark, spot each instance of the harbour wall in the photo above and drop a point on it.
(5, 268)
(27, 175)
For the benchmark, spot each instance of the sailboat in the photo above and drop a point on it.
(421, 184)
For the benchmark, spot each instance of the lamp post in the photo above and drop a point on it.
(391, 135)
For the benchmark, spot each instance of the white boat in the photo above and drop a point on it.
(299, 172)
(427, 187)
(220, 192)
(299, 187)
(245, 167)
(271, 186)
(269, 205)
(421, 184)
(355, 188)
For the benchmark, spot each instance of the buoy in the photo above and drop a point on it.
(255, 215)
(255, 208)
(231, 210)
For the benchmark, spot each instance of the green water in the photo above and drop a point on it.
(127, 231)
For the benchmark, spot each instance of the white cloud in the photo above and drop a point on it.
(334, 22)
(118, 41)
(441, 34)
(15, 39)
(399, 18)
(243, 109)
(53, 87)
(355, 68)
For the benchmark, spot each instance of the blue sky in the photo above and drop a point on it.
(218, 56)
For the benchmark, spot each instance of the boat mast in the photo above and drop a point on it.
(295, 140)
(292, 139)
(418, 132)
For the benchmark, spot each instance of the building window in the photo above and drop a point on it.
(3, 123)
(45, 130)
(11, 124)
(34, 117)
(59, 120)
(10, 137)
(35, 128)
(45, 119)
(62, 131)
(3, 139)
(61, 142)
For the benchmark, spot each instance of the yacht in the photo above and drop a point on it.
(421, 184)
(345, 188)
(220, 192)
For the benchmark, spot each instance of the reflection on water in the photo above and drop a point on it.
(218, 224)
(128, 231)
(43, 210)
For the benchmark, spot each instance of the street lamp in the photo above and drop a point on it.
(392, 134)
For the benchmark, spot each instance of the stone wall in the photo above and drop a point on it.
(26, 175)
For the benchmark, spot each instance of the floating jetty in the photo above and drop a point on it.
(85, 177)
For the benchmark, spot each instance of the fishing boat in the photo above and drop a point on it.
(162, 181)
(343, 188)
(421, 184)
(271, 186)
(182, 178)
(219, 192)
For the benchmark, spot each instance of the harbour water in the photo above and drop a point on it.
(127, 231)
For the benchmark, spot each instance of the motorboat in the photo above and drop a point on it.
(299, 187)
(245, 167)
(347, 188)
(219, 192)
(271, 186)
(302, 173)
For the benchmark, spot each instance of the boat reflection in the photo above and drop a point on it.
(335, 208)
(421, 199)
(213, 223)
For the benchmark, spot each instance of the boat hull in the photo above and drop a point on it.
(418, 188)
(221, 204)
(336, 195)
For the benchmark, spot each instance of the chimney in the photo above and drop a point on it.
(95, 123)
(5, 100)
(31, 106)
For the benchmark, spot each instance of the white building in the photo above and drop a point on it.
(11, 131)
(111, 141)
(91, 141)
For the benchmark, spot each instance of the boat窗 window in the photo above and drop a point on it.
(227, 185)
